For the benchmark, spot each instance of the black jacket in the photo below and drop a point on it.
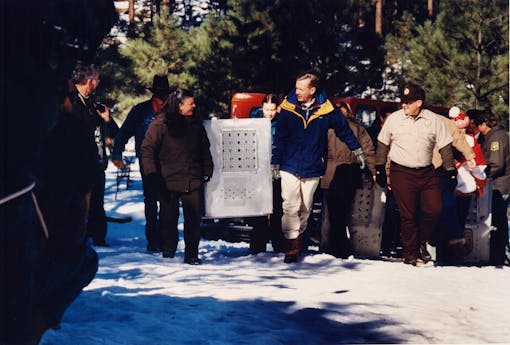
(66, 172)
(98, 129)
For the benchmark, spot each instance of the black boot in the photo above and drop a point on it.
(192, 261)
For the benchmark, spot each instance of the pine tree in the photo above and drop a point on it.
(164, 49)
(234, 51)
(480, 53)
(194, 12)
(335, 38)
(396, 61)
(260, 45)
(429, 56)
(462, 57)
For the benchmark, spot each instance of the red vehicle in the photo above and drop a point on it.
(245, 105)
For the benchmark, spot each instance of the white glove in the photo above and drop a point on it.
(275, 171)
(360, 156)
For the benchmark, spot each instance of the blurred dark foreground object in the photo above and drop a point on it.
(40, 41)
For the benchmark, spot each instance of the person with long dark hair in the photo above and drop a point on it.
(177, 160)
(262, 230)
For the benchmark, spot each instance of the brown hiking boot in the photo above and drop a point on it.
(292, 252)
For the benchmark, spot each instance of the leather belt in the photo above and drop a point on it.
(416, 168)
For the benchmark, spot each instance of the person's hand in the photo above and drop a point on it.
(103, 111)
(360, 157)
(380, 175)
(471, 164)
(119, 163)
(451, 179)
(275, 171)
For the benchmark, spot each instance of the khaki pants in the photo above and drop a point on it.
(297, 195)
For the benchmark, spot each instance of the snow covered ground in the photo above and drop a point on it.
(138, 298)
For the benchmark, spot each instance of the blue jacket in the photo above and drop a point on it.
(136, 124)
(301, 141)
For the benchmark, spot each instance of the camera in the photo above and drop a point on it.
(99, 107)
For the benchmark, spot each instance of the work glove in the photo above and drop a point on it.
(154, 181)
(119, 163)
(380, 175)
(275, 171)
(451, 179)
(360, 157)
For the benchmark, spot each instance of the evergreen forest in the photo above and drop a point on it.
(458, 50)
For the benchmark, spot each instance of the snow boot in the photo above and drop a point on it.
(291, 255)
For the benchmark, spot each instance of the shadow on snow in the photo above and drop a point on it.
(207, 320)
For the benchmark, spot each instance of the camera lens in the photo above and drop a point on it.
(101, 108)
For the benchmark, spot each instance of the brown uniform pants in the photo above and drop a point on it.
(416, 190)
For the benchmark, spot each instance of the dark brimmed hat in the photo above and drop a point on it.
(160, 85)
(412, 92)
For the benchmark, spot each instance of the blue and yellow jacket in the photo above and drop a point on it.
(301, 141)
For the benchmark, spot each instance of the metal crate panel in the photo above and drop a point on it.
(478, 225)
(239, 150)
(365, 226)
(241, 184)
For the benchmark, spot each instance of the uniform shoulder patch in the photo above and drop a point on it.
(495, 146)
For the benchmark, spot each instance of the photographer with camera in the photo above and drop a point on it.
(101, 127)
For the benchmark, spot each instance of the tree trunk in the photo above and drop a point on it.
(131, 12)
(430, 7)
(131, 25)
(478, 64)
(378, 17)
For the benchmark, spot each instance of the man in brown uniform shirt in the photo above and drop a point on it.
(408, 138)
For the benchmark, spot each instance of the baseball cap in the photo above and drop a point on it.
(412, 92)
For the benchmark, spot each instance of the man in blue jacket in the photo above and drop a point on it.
(136, 124)
(300, 152)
